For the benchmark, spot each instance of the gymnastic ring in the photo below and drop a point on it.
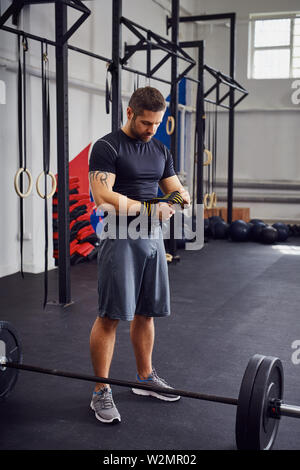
(213, 197)
(209, 157)
(207, 205)
(54, 185)
(172, 121)
(16, 182)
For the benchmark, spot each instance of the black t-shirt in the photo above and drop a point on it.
(138, 165)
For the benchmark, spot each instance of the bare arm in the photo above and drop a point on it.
(101, 184)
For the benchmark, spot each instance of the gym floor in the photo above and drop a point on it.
(229, 301)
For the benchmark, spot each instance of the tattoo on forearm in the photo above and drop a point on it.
(100, 176)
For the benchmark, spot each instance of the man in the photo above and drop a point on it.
(125, 170)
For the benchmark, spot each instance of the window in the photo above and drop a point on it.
(274, 50)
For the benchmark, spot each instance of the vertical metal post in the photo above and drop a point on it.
(231, 121)
(200, 120)
(174, 107)
(174, 86)
(62, 153)
(116, 66)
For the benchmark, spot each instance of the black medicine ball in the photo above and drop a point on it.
(211, 222)
(207, 232)
(280, 225)
(282, 231)
(269, 235)
(255, 231)
(220, 230)
(214, 218)
(257, 221)
(282, 234)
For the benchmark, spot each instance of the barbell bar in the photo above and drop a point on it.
(121, 383)
(259, 405)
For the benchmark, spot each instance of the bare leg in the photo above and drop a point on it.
(142, 338)
(102, 342)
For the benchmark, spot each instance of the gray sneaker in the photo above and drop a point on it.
(103, 405)
(154, 380)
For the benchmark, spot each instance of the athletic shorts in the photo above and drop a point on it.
(133, 277)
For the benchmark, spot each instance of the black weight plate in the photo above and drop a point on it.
(260, 428)
(268, 385)
(10, 349)
(244, 400)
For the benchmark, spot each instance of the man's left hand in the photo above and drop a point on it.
(185, 196)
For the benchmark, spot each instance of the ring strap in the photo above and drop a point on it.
(46, 155)
(18, 181)
(215, 135)
(107, 90)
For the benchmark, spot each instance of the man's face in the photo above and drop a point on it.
(144, 126)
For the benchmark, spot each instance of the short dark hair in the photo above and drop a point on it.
(147, 98)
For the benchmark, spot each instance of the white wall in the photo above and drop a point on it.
(266, 143)
(267, 138)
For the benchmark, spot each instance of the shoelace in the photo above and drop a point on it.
(153, 377)
(158, 379)
(106, 400)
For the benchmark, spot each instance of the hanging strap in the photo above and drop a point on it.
(121, 112)
(194, 171)
(209, 146)
(22, 140)
(215, 134)
(136, 81)
(196, 159)
(46, 151)
(107, 90)
(20, 134)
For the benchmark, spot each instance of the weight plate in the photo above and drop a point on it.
(259, 428)
(10, 351)
(268, 386)
(244, 400)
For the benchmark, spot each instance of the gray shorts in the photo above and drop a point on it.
(133, 278)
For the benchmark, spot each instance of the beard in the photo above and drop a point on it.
(144, 136)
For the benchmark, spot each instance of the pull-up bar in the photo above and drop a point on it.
(231, 82)
(162, 43)
(220, 77)
(17, 5)
(153, 41)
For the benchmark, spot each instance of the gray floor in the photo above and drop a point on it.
(229, 301)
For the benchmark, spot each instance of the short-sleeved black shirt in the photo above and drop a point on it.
(138, 165)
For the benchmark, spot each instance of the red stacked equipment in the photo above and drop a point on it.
(83, 239)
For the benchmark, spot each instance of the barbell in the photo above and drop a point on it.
(259, 404)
